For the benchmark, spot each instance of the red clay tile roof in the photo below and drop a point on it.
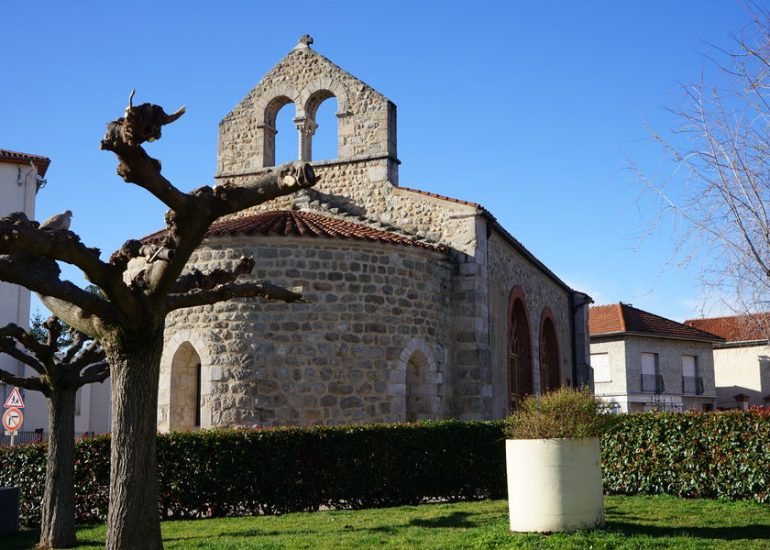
(15, 157)
(625, 319)
(285, 223)
(736, 328)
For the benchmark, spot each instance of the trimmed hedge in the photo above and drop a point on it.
(242, 472)
(693, 455)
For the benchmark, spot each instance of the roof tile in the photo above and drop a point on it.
(16, 157)
(624, 318)
(291, 223)
(736, 328)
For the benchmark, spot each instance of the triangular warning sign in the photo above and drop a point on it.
(14, 400)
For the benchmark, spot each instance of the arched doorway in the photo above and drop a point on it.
(550, 373)
(519, 350)
(185, 405)
(418, 392)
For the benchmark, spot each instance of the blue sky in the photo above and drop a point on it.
(533, 109)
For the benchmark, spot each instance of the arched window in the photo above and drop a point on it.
(325, 138)
(279, 134)
(519, 350)
(185, 406)
(550, 373)
(320, 138)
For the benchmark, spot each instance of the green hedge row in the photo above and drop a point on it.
(242, 472)
(693, 455)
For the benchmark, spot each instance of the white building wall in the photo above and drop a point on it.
(743, 370)
(17, 194)
(625, 367)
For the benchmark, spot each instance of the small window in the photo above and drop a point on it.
(689, 366)
(601, 365)
(692, 382)
(652, 382)
(650, 364)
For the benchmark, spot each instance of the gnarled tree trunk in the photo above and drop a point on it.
(133, 521)
(57, 528)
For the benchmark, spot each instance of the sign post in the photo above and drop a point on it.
(13, 418)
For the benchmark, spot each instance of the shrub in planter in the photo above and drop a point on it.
(553, 462)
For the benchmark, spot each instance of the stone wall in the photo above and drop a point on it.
(347, 189)
(508, 268)
(340, 358)
(366, 119)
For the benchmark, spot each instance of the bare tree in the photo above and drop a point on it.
(129, 321)
(62, 365)
(721, 190)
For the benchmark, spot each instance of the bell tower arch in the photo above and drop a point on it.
(366, 120)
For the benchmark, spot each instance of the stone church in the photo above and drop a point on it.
(419, 306)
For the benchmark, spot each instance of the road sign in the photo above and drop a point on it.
(14, 400)
(13, 418)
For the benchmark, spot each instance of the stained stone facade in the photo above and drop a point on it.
(419, 306)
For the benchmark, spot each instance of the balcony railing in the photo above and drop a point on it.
(652, 383)
(692, 385)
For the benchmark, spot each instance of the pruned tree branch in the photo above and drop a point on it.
(42, 276)
(124, 137)
(78, 341)
(231, 197)
(24, 338)
(198, 280)
(9, 348)
(28, 383)
(91, 353)
(190, 215)
(228, 291)
(186, 229)
(18, 235)
(97, 372)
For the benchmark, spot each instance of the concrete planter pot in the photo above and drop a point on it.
(554, 484)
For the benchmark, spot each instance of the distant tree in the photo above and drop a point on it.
(63, 364)
(721, 190)
(129, 319)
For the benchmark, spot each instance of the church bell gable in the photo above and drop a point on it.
(366, 120)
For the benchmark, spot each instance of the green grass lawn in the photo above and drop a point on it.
(632, 523)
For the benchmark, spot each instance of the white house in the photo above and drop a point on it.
(742, 361)
(645, 362)
(21, 177)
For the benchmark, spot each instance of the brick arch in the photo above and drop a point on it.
(550, 358)
(178, 341)
(519, 349)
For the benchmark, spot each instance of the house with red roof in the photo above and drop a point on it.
(642, 361)
(418, 305)
(742, 360)
(22, 175)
